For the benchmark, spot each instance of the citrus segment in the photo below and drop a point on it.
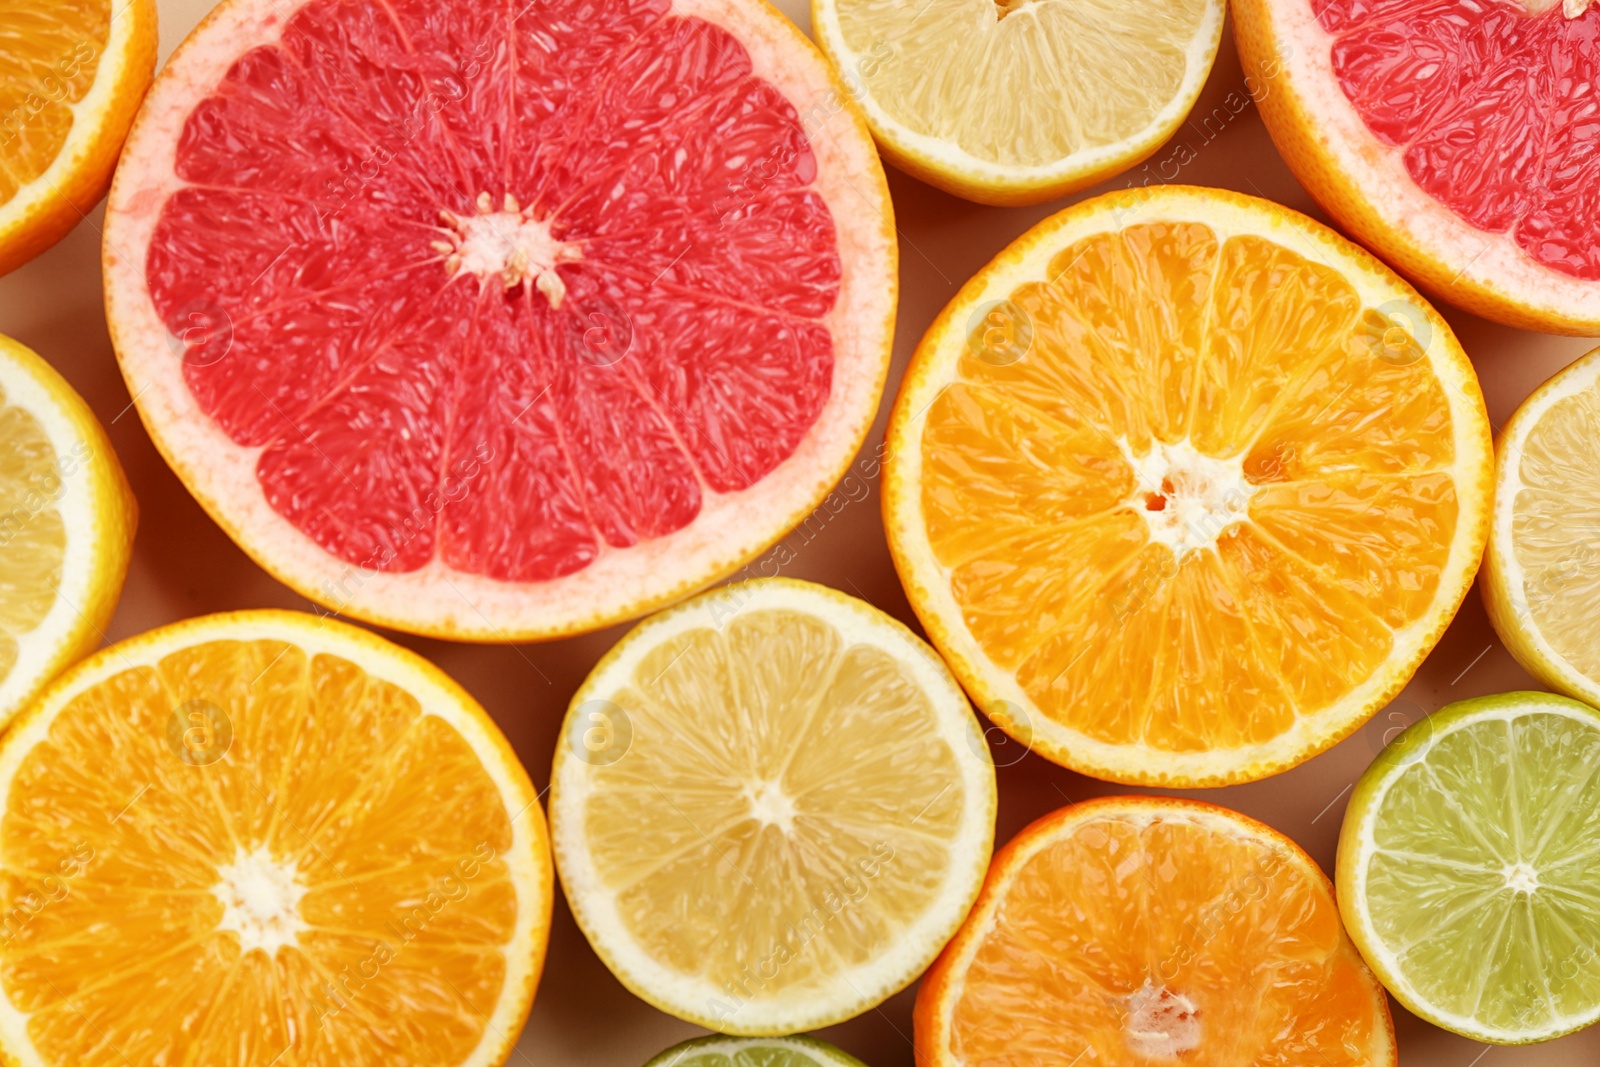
(1127, 929)
(319, 850)
(71, 77)
(1009, 102)
(1539, 575)
(66, 527)
(1465, 867)
(791, 777)
(1447, 83)
(718, 1051)
(1448, 136)
(470, 302)
(1173, 506)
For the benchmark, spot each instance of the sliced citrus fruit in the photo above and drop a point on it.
(1466, 867)
(71, 78)
(771, 808)
(66, 527)
(1185, 486)
(718, 1051)
(1020, 101)
(1541, 579)
(501, 321)
(287, 840)
(1450, 136)
(1136, 929)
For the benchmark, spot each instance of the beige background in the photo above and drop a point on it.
(184, 566)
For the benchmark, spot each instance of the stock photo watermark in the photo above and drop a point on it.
(837, 898)
(343, 988)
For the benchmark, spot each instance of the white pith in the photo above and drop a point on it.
(1027, 260)
(1358, 843)
(861, 986)
(39, 650)
(89, 118)
(526, 860)
(730, 529)
(506, 245)
(260, 896)
(1507, 573)
(1161, 1024)
(1468, 257)
(951, 158)
(1188, 499)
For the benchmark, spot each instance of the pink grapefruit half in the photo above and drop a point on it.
(501, 319)
(1459, 139)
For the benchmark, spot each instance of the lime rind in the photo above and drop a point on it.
(719, 1051)
(1468, 873)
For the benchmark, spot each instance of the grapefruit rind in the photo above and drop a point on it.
(438, 601)
(1357, 834)
(870, 984)
(1287, 56)
(927, 581)
(956, 171)
(99, 513)
(942, 986)
(1504, 579)
(44, 211)
(528, 860)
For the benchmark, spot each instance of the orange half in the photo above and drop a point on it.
(1142, 930)
(1185, 486)
(265, 838)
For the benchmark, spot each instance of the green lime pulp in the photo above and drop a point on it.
(1483, 871)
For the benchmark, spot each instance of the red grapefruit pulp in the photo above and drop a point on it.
(501, 319)
(1458, 137)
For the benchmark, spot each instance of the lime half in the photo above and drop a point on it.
(1469, 867)
(719, 1051)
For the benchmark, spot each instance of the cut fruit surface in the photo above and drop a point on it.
(1541, 579)
(771, 807)
(1185, 486)
(501, 321)
(317, 848)
(1466, 867)
(1020, 101)
(1140, 930)
(72, 73)
(1450, 136)
(66, 527)
(718, 1051)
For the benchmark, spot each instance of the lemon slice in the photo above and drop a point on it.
(265, 838)
(771, 808)
(718, 1051)
(1019, 101)
(71, 78)
(1542, 571)
(66, 527)
(1467, 873)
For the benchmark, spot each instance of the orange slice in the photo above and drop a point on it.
(1142, 930)
(1185, 486)
(285, 840)
(71, 77)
